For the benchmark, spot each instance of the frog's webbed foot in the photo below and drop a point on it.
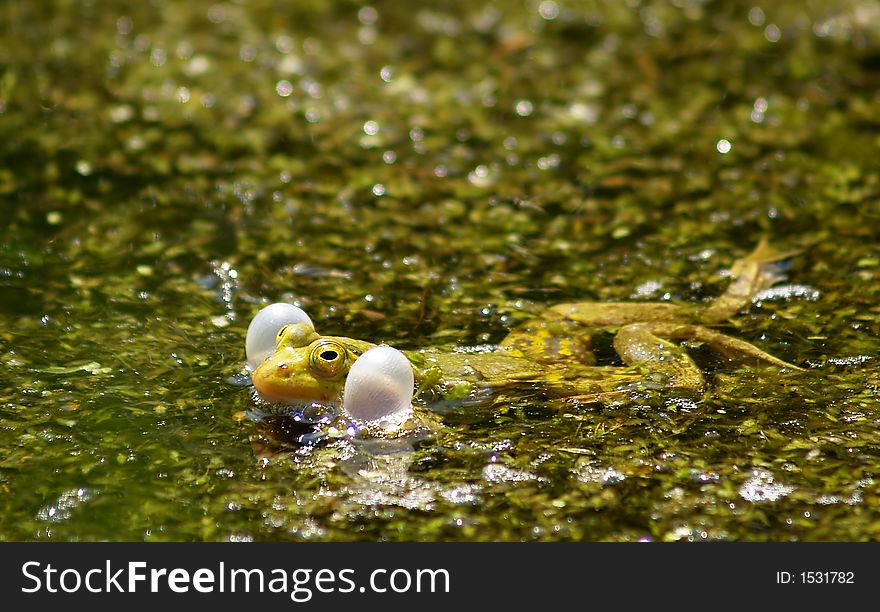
(651, 345)
(735, 350)
(752, 274)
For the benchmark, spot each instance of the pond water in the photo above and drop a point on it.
(430, 176)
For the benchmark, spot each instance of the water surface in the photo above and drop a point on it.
(427, 176)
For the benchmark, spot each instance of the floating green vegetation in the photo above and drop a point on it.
(432, 176)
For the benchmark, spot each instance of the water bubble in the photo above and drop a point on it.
(550, 161)
(182, 95)
(158, 57)
(217, 13)
(583, 112)
(548, 9)
(83, 168)
(283, 88)
(371, 128)
(284, 44)
(367, 15)
(124, 25)
(756, 16)
(184, 50)
(197, 66)
(121, 113)
(291, 64)
(723, 146)
(772, 33)
(480, 176)
(524, 108)
(247, 53)
(313, 88)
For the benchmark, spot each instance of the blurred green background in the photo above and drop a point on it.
(428, 174)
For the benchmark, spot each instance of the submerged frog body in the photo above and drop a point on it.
(551, 353)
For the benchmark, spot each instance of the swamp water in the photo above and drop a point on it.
(429, 175)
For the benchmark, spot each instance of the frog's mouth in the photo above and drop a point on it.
(271, 398)
(306, 409)
(275, 382)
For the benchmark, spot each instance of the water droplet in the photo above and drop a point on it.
(756, 16)
(291, 64)
(371, 128)
(247, 53)
(183, 95)
(83, 167)
(760, 105)
(121, 113)
(367, 15)
(197, 66)
(772, 33)
(284, 44)
(524, 108)
(583, 112)
(550, 161)
(283, 88)
(548, 9)
(480, 176)
(124, 25)
(158, 57)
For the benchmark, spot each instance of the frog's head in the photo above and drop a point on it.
(294, 365)
(306, 367)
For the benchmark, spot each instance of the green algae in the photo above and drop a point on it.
(431, 176)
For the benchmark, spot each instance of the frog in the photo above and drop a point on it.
(552, 352)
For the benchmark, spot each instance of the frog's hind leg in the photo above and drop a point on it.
(654, 345)
(669, 365)
(564, 332)
(732, 349)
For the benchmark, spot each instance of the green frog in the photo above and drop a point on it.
(551, 353)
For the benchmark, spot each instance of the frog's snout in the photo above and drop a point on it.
(272, 380)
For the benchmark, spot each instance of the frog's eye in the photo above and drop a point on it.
(327, 358)
(379, 385)
(266, 328)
